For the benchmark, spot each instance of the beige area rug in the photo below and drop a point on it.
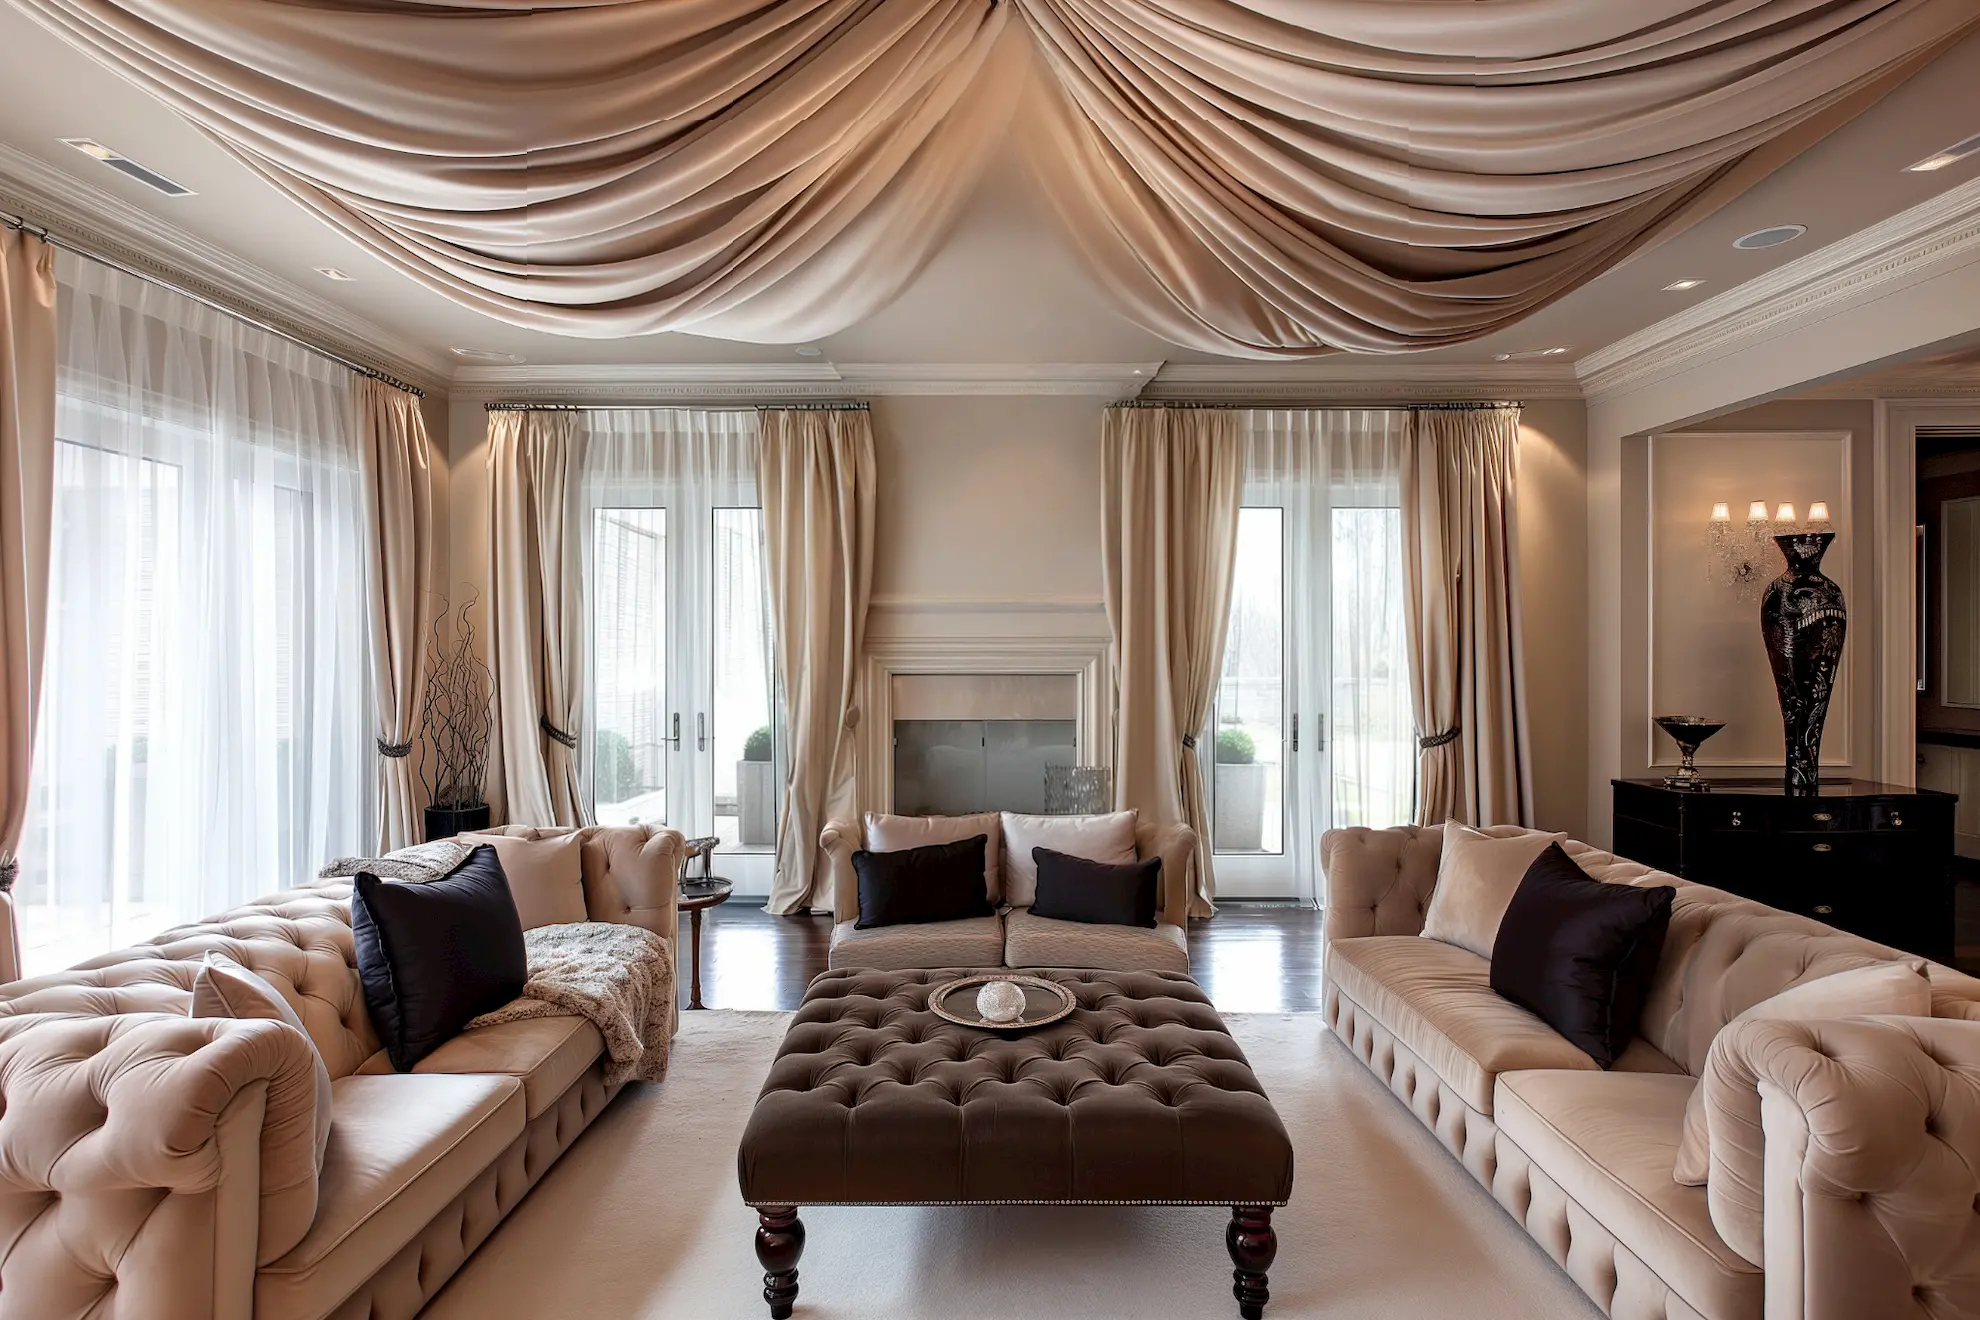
(641, 1219)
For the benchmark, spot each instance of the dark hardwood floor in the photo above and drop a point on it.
(1250, 958)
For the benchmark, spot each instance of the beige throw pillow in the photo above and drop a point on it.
(546, 876)
(1899, 988)
(222, 988)
(1105, 838)
(1476, 877)
(899, 833)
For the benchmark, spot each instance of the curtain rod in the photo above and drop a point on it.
(846, 405)
(1278, 405)
(82, 250)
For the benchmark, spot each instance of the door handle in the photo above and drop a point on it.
(675, 741)
(700, 731)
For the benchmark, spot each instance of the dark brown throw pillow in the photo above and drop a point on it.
(1099, 893)
(940, 882)
(1579, 954)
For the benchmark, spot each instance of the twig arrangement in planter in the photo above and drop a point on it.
(453, 757)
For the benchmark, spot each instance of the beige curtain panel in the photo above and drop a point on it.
(535, 621)
(816, 479)
(396, 463)
(1286, 177)
(27, 474)
(1171, 482)
(1461, 608)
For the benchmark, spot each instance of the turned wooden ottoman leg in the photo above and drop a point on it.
(1253, 1244)
(779, 1243)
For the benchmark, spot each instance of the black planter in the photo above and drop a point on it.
(1803, 620)
(446, 822)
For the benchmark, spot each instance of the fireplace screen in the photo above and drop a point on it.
(965, 743)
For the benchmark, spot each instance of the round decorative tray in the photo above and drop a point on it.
(1044, 1001)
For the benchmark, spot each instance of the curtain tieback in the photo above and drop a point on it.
(1189, 741)
(396, 751)
(9, 868)
(555, 734)
(1438, 739)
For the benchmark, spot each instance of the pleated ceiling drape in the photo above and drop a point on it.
(27, 466)
(817, 478)
(1460, 479)
(1278, 178)
(396, 461)
(1170, 484)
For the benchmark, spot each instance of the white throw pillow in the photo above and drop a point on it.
(899, 833)
(546, 876)
(1476, 878)
(222, 988)
(1108, 838)
(1900, 988)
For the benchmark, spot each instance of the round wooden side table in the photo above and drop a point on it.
(698, 895)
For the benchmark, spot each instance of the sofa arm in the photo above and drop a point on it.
(839, 840)
(1844, 1154)
(1176, 845)
(150, 1157)
(1379, 881)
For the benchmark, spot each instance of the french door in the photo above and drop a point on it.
(1311, 726)
(682, 710)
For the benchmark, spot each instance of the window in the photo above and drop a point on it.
(1311, 727)
(682, 700)
(204, 729)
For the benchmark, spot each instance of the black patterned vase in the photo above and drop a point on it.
(1802, 620)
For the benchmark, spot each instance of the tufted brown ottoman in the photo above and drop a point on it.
(1140, 1097)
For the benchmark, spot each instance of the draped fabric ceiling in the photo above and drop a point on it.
(1260, 179)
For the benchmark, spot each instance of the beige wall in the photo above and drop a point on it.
(1553, 553)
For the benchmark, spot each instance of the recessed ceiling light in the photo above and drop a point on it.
(1772, 236)
(124, 165)
(1952, 155)
(810, 350)
(1530, 353)
(332, 273)
(1679, 286)
(484, 354)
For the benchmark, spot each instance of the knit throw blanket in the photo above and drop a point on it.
(420, 863)
(620, 978)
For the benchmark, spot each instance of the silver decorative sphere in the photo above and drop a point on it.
(1000, 1001)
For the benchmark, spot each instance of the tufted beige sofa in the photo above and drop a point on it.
(1845, 1154)
(1014, 937)
(159, 1167)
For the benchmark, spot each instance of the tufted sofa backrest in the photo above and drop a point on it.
(300, 941)
(1723, 954)
(631, 872)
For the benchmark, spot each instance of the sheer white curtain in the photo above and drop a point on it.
(1337, 475)
(205, 721)
(677, 616)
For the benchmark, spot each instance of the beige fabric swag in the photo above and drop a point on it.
(1461, 615)
(397, 467)
(1276, 178)
(27, 472)
(535, 621)
(1171, 481)
(816, 481)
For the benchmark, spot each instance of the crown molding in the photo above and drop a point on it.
(768, 381)
(1345, 379)
(1912, 245)
(1094, 379)
(103, 222)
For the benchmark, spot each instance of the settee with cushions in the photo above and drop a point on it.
(1013, 936)
(161, 1165)
(1844, 1151)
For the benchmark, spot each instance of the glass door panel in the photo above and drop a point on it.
(1248, 762)
(1373, 757)
(738, 730)
(632, 722)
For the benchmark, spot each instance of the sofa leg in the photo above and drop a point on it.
(779, 1243)
(1253, 1245)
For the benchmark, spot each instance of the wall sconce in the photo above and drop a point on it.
(1745, 558)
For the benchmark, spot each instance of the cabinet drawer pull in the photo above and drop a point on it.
(1824, 910)
(1824, 816)
(1897, 821)
(1737, 822)
(1823, 847)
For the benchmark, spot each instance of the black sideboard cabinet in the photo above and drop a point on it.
(1872, 859)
